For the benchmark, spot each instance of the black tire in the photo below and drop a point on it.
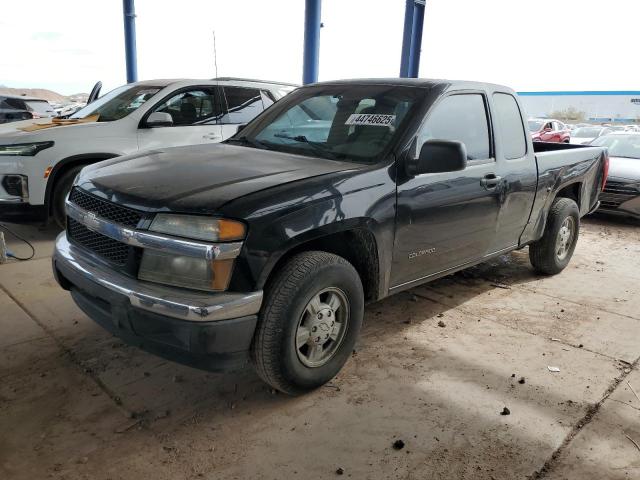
(274, 351)
(544, 254)
(61, 189)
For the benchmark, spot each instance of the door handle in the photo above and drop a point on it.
(490, 181)
(211, 136)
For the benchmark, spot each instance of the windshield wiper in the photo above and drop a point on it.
(317, 146)
(252, 142)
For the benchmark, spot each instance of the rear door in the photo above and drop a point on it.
(240, 106)
(516, 171)
(195, 113)
(448, 219)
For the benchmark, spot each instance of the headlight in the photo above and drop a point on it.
(24, 149)
(200, 228)
(188, 272)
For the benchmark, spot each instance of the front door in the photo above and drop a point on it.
(444, 220)
(195, 113)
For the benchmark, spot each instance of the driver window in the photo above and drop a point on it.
(191, 107)
(462, 118)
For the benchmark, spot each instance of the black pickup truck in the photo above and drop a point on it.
(267, 247)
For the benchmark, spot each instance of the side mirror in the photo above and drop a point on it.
(547, 130)
(437, 156)
(159, 119)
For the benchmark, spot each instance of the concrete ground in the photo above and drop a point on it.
(75, 403)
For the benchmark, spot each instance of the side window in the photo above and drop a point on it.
(509, 120)
(548, 125)
(462, 118)
(191, 107)
(16, 103)
(242, 104)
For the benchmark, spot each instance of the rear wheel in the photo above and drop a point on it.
(61, 189)
(552, 253)
(309, 323)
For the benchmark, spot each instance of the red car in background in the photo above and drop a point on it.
(549, 130)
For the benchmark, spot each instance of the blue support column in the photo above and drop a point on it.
(412, 38)
(129, 14)
(416, 38)
(406, 39)
(311, 58)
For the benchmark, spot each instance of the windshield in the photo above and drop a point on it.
(620, 145)
(586, 132)
(118, 103)
(535, 125)
(339, 122)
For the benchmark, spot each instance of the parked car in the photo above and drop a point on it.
(583, 135)
(548, 130)
(266, 247)
(139, 116)
(14, 108)
(621, 194)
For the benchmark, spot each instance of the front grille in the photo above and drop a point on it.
(105, 209)
(106, 247)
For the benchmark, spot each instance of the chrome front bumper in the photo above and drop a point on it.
(163, 300)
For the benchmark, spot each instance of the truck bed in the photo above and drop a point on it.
(569, 170)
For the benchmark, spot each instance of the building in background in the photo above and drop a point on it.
(584, 106)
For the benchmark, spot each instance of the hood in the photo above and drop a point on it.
(624, 168)
(199, 178)
(13, 133)
(8, 130)
(580, 140)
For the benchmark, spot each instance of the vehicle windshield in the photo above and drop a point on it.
(337, 122)
(620, 145)
(535, 125)
(588, 132)
(118, 103)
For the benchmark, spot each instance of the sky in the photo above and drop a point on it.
(529, 45)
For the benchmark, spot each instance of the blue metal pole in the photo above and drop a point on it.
(129, 14)
(406, 39)
(416, 38)
(311, 58)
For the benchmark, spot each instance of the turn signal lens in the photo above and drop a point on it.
(230, 230)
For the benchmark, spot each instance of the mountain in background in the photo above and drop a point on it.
(45, 94)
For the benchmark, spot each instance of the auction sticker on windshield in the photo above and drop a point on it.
(373, 119)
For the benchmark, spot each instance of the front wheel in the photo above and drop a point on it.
(551, 254)
(309, 323)
(61, 189)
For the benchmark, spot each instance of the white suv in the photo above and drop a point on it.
(40, 158)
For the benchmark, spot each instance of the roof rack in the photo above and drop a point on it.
(273, 82)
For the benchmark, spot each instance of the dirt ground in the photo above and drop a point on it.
(75, 403)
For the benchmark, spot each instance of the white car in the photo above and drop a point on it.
(39, 159)
(584, 135)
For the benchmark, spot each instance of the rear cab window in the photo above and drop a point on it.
(510, 127)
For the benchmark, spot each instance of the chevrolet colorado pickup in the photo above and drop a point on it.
(265, 248)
